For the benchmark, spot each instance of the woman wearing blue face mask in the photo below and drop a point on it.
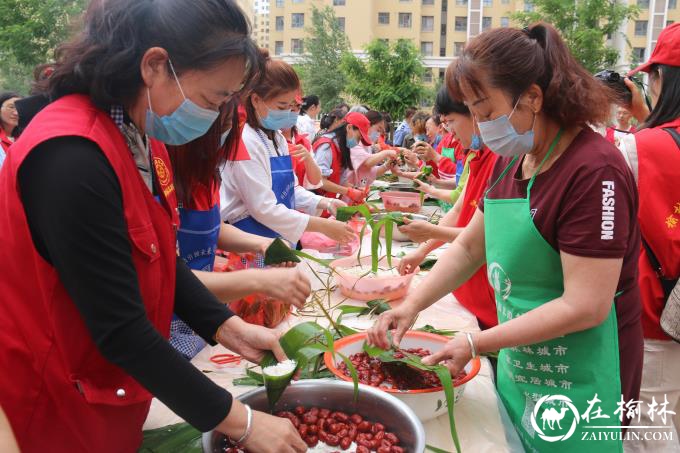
(89, 217)
(557, 229)
(262, 195)
(196, 167)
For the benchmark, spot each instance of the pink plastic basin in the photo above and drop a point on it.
(370, 287)
(401, 201)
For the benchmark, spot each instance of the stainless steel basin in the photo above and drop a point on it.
(372, 404)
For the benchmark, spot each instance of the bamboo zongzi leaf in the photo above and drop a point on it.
(278, 252)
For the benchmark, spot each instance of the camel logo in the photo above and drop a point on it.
(499, 280)
(553, 418)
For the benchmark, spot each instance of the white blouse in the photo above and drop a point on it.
(306, 126)
(246, 189)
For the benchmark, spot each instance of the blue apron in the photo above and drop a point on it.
(197, 242)
(283, 186)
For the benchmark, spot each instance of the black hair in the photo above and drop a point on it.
(103, 60)
(444, 104)
(329, 118)
(4, 97)
(410, 111)
(340, 133)
(388, 122)
(307, 102)
(374, 117)
(667, 107)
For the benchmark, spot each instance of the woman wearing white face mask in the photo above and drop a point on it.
(558, 231)
(262, 195)
(89, 220)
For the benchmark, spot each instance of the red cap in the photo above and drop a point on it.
(360, 121)
(666, 51)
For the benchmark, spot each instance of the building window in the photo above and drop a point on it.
(426, 48)
(428, 2)
(640, 28)
(442, 51)
(486, 23)
(639, 53)
(296, 46)
(458, 48)
(427, 23)
(341, 23)
(505, 2)
(384, 18)
(461, 23)
(279, 23)
(528, 7)
(298, 1)
(404, 20)
(643, 4)
(427, 76)
(279, 3)
(338, 2)
(445, 5)
(297, 20)
(487, 3)
(461, 2)
(278, 47)
(505, 22)
(672, 4)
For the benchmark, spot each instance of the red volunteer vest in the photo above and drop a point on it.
(60, 394)
(5, 142)
(476, 295)
(335, 165)
(659, 217)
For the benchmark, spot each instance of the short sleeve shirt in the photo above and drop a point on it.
(586, 204)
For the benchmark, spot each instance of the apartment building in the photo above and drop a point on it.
(440, 28)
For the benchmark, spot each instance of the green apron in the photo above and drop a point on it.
(526, 272)
(451, 154)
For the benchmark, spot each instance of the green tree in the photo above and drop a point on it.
(29, 32)
(325, 45)
(585, 25)
(390, 79)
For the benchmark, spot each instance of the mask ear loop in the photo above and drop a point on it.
(172, 68)
(533, 122)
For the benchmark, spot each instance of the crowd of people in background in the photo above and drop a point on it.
(529, 189)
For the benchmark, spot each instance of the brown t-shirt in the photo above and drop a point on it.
(586, 204)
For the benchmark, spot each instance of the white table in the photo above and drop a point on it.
(481, 420)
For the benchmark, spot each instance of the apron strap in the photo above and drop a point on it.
(512, 162)
(547, 156)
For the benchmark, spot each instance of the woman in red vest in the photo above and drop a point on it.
(300, 149)
(475, 294)
(9, 119)
(654, 154)
(88, 214)
(332, 152)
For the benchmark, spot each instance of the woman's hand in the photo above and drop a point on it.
(249, 340)
(638, 105)
(424, 187)
(389, 154)
(264, 245)
(288, 285)
(409, 263)
(332, 205)
(455, 354)
(417, 230)
(400, 319)
(300, 152)
(272, 434)
(338, 231)
(425, 151)
(268, 434)
(410, 157)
